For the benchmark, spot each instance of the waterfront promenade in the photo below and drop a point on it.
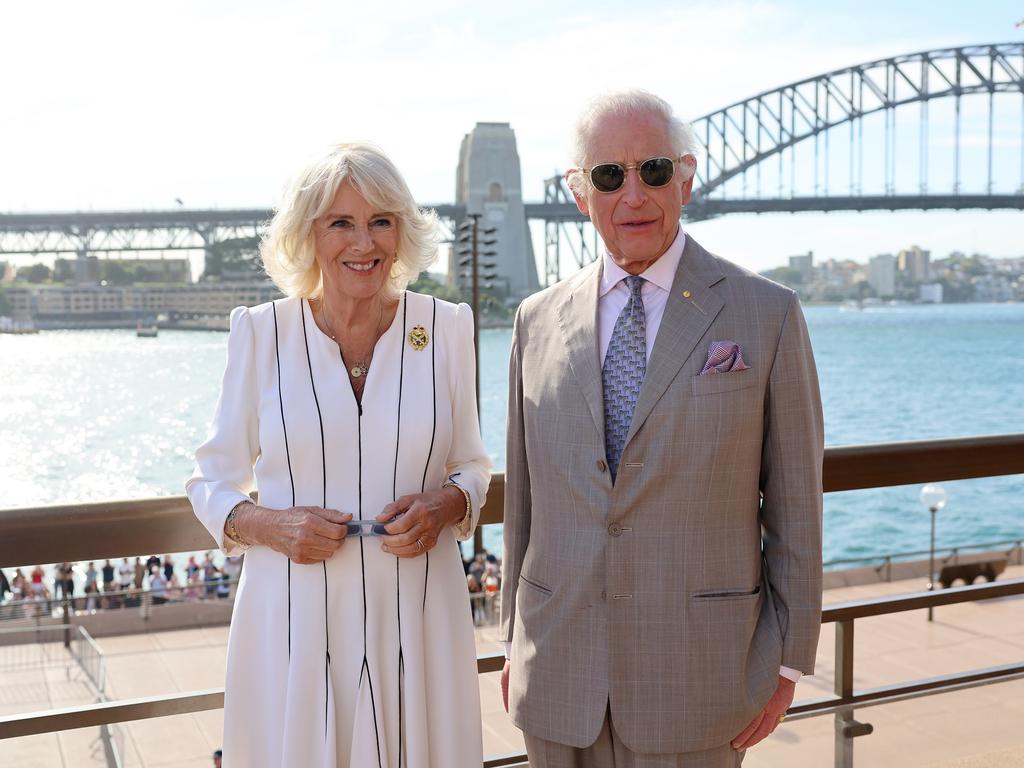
(974, 728)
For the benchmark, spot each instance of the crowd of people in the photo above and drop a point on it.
(483, 577)
(90, 587)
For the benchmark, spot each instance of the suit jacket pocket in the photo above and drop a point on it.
(716, 383)
(535, 584)
(726, 594)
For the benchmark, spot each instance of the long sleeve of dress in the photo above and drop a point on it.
(224, 463)
(468, 463)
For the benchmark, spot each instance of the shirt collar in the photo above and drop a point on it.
(661, 273)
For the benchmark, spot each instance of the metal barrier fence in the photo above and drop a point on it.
(90, 659)
(64, 645)
(39, 648)
(120, 529)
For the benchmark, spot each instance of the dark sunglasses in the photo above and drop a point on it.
(655, 172)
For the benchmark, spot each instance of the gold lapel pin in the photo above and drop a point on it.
(686, 294)
(418, 338)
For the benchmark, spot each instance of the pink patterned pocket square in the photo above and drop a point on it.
(724, 357)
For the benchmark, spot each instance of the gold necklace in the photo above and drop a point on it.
(362, 366)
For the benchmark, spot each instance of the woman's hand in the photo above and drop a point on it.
(416, 520)
(306, 535)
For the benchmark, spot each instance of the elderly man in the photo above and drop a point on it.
(662, 588)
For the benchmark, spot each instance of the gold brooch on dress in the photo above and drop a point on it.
(418, 338)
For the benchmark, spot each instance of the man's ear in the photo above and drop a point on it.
(581, 202)
(687, 191)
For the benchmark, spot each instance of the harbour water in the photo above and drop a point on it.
(92, 415)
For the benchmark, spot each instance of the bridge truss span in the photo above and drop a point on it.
(741, 137)
(938, 129)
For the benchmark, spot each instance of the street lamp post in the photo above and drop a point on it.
(933, 497)
(470, 255)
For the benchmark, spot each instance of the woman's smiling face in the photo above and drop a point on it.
(355, 245)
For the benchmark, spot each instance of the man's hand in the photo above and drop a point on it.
(504, 683)
(768, 719)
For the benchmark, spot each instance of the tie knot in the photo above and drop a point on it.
(635, 283)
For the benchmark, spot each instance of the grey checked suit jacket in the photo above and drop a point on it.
(652, 594)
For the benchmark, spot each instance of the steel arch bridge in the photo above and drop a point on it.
(832, 142)
(743, 138)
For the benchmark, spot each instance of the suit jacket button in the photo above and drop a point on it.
(614, 529)
(601, 466)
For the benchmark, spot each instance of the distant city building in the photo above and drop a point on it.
(882, 274)
(914, 263)
(955, 278)
(85, 270)
(804, 265)
(993, 288)
(930, 293)
(488, 182)
(111, 304)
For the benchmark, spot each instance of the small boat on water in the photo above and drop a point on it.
(145, 331)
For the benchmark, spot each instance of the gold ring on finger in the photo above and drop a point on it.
(419, 545)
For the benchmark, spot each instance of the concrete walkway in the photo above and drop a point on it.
(977, 728)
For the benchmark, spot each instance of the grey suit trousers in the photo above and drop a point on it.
(609, 752)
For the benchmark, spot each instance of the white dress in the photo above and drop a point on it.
(366, 660)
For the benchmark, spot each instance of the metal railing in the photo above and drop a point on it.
(1014, 551)
(847, 698)
(129, 528)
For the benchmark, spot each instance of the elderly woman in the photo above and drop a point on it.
(350, 405)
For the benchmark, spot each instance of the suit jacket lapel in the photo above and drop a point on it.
(578, 321)
(685, 321)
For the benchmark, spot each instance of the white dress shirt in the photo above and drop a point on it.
(613, 295)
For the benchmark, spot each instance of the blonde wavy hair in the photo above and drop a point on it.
(287, 249)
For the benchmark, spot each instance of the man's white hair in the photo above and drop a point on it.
(628, 103)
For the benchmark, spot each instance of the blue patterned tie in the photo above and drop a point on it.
(624, 366)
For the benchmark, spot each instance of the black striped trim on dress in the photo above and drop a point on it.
(323, 456)
(362, 553)
(398, 560)
(288, 456)
(433, 429)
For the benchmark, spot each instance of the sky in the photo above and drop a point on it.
(128, 105)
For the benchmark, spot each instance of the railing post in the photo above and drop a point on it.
(846, 728)
(844, 688)
(67, 619)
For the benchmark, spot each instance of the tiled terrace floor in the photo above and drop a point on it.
(977, 728)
